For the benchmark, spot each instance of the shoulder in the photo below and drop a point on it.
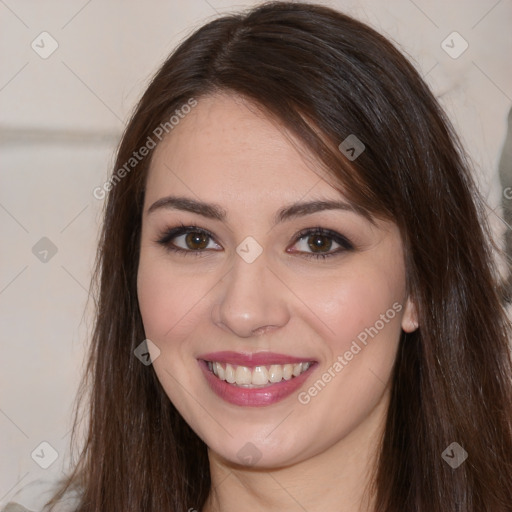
(34, 496)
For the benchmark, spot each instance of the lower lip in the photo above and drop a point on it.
(253, 397)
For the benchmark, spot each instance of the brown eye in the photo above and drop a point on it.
(196, 240)
(188, 239)
(319, 243)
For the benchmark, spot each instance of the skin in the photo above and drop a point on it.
(315, 456)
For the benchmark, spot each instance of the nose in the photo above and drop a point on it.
(250, 300)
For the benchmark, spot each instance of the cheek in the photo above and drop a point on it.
(356, 305)
(168, 301)
(358, 318)
(169, 304)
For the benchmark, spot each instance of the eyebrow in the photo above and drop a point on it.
(216, 212)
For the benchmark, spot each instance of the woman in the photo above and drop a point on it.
(293, 239)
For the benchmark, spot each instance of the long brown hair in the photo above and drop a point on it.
(325, 76)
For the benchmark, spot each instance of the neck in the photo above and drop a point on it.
(338, 478)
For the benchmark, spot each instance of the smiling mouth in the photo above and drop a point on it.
(257, 376)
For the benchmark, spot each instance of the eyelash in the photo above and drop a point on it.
(171, 233)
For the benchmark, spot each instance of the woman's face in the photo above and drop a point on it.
(275, 306)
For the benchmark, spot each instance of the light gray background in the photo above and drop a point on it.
(60, 121)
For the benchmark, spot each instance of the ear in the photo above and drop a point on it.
(410, 316)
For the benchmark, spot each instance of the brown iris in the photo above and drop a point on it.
(319, 243)
(196, 240)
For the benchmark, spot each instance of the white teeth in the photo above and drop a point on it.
(230, 374)
(219, 371)
(287, 371)
(243, 375)
(258, 376)
(275, 374)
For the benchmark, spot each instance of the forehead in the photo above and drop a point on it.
(227, 143)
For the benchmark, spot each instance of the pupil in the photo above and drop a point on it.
(196, 240)
(319, 242)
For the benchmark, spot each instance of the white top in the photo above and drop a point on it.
(33, 497)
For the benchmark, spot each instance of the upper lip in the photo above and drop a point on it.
(252, 359)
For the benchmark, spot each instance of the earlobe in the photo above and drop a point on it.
(410, 318)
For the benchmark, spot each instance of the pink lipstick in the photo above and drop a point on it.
(254, 379)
